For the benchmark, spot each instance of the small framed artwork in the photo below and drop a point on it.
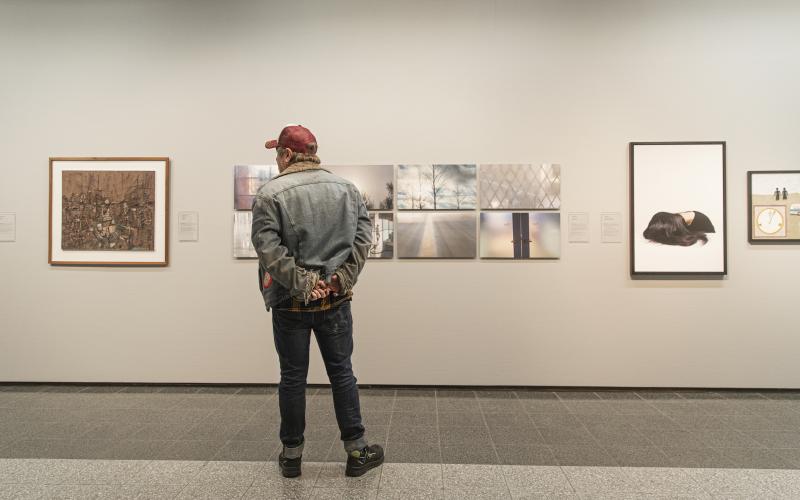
(109, 211)
(382, 235)
(436, 235)
(374, 182)
(246, 181)
(773, 197)
(678, 219)
(242, 243)
(520, 235)
(437, 187)
(520, 187)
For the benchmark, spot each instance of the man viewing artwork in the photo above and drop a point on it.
(312, 234)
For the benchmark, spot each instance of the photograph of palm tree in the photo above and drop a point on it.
(436, 187)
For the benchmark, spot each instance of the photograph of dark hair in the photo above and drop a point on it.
(682, 229)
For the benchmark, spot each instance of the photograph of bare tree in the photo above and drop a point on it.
(436, 235)
(246, 181)
(382, 236)
(436, 187)
(375, 182)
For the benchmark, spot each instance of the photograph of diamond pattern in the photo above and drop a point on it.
(520, 187)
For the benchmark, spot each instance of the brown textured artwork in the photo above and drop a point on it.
(108, 210)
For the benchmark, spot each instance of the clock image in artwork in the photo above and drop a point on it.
(769, 221)
(774, 198)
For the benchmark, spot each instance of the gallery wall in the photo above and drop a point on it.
(560, 81)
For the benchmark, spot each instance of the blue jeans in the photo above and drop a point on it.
(334, 332)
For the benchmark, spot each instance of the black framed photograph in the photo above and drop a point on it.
(773, 197)
(677, 209)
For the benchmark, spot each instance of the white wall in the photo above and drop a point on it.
(389, 82)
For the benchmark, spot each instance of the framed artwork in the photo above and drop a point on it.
(109, 211)
(520, 235)
(246, 181)
(520, 187)
(678, 220)
(431, 235)
(436, 187)
(242, 242)
(375, 182)
(382, 236)
(773, 197)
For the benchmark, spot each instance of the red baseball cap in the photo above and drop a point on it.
(295, 137)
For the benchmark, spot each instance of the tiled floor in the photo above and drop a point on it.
(439, 443)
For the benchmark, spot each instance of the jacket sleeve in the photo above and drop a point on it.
(273, 256)
(348, 272)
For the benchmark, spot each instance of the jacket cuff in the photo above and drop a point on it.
(345, 282)
(311, 278)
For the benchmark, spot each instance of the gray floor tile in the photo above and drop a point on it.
(212, 430)
(638, 456)
(537, 395)
(250, 451)
(410, 494)
(457, 419)
(83, 492)
(319, 451)
(40, 471)
(618, 395)
(618, 435)
(791, 455)
(469, 454)
(343, 494)
(108, 471)
(137, 449)
(257, 431)
(583, 455)
(749, 458)
(413, 434)
(180, 389)
(203, 401)
(776, 439)
(458, 405)
(739, 394)
(657, 395)
(455, 393)
(696, 457)
(282, 492)
(526, 455)
(783, 395)
(213, 491)
(785, 483)
(726, 438)
(415, 393)
(464, 476)
(725, 481)
(227, 472)
(413, 453)
(520, 435)
(113, 430)
(577, 396)
(415, 404)
(501, 405)
(555, 419)
(173, 472)
(545, 479)
(566, 435)
(258, 389)
(507, 419)
(411, 476)
(525, 494)
(413, 418)
(332, 476)
(654, 422)
(598, 407)
(495, 394)
(663, 480)
(193, 450)
(544, 406)
(161, 431)
(674, 438)
(376, 392)
(456, 436)
(376, 418)
(598, 479)
(631, 407)
(476, 493)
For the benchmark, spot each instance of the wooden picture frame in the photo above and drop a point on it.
(117, 211)
(678, 218)
(782, 203)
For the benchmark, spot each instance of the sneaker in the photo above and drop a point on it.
(360, 461)
(290, 467)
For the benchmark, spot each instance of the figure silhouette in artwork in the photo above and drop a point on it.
(777, 194)
(681, 229)
(785, 194)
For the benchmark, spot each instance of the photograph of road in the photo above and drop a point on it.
(375, 182)
(521, 187)
(242, 244)
(520, 235)
(246, 181)
(436, 235)
(382, 236)
(436, 187)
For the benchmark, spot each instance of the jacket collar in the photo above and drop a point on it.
(300, 166)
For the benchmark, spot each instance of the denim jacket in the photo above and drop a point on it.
(307, 225)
